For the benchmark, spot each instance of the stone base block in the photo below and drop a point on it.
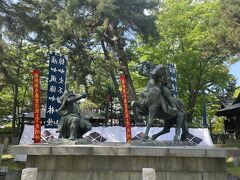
(123, 162)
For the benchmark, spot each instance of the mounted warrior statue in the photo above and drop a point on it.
(157, 102)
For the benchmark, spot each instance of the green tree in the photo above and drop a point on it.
(120, 18)
(81, 26)
(229, 19)
(187, 31)
(237, 92)
(29, 57)
(218, 126)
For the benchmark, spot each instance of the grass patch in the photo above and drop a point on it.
(231, 169)
(13, 165)
(8, 160)
(234, 144)
(235, 171)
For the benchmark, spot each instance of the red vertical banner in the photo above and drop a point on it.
(36, 106)
(126, 114)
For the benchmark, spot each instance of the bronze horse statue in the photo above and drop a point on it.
(157, 102)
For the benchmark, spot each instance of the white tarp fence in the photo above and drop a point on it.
(117, 134)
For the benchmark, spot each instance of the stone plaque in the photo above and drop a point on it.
(148, 174)
(29, 174)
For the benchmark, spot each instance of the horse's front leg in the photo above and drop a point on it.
(152, 111)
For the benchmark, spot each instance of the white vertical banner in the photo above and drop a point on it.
(172, 73)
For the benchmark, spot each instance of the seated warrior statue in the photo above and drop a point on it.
(72, 125)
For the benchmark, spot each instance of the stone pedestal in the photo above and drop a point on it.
(123, 162)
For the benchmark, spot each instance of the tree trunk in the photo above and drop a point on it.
(113, 38)
(14, 112)
(131, 89)
(194, 92)
(116, 86)
(124, 62)
(15, 96)
(191, 102)
(1, 50)
(23, 100)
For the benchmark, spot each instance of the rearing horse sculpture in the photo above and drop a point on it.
(155, 105)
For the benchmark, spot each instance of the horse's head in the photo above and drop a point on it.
(145, 68)
(159, 73)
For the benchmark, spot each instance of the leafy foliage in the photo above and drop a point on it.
(218, 126)
(188, 39)
(88, 105)
(102, 37)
